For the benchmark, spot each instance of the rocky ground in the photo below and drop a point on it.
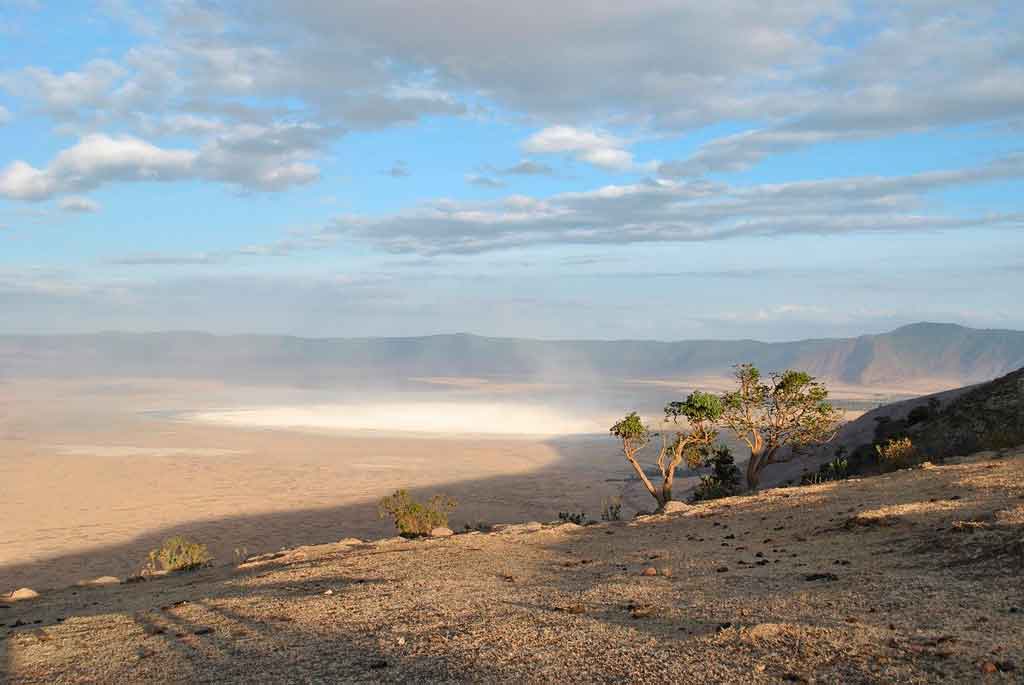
(911, 577)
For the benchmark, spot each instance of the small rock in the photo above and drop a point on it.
(441, 532)
(1006, 666)
(829, 577)
(988, 667)
(722, 569)
(328, 592)
(102, 580)
(205, 630)
(24, 593)
(649, 571)
(674, 507)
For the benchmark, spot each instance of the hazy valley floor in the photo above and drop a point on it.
(95, 476)
(913, 577)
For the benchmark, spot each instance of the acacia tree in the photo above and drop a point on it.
(700, 410)
(790, 410)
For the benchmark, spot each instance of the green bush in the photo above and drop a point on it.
(177, 554)
(724, 479)
(837, 469)
(570, 517)
(412, 518)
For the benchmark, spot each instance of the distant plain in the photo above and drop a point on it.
(97, 471)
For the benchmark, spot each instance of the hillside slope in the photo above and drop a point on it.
(951, 354)
(912, 577)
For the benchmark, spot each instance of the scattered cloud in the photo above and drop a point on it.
(671, 211)
(482, 181)
(78, 204)
(398, 169)
(528, 167)
(254, 157)
(593, 147)
(5, 116)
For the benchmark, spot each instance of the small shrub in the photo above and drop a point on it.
(837, 469)
(177, 554)
(412, 518)
(579, 519)
(897, 453)
(724, 479)
(611, 509)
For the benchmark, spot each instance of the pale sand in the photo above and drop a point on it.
(428, 418)
(89, 485)
(96, 472)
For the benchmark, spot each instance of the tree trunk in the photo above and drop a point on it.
(754, 471)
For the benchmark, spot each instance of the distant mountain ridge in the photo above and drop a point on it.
(949, 352)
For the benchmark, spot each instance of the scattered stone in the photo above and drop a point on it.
(102, 580)
(730, 536)
(828, 577)
(328, 592)
(988, 667)
(23, 594)
(640, 610)
(649, 571)
(441, 532)
(205, 630)
(722, 569)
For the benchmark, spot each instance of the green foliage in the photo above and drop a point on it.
(897, 453)
(791, 410)
(724, 479)
(699, 406)
(611, 509)
(177, 554)
(631, 428)
(837, 469)
(579, 519)
(412, 518)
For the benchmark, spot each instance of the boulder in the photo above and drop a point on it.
(674, 507)
(24, 593)
(441, 532)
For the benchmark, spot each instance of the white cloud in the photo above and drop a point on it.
(5, 116)
(78, 204)
(95, 160)
(593, 147)
(668, 211)
(264, 158)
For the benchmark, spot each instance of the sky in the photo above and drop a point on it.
(769, 169)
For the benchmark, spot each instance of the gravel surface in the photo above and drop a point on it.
(912, 577)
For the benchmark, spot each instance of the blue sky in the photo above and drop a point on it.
(665, 170)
